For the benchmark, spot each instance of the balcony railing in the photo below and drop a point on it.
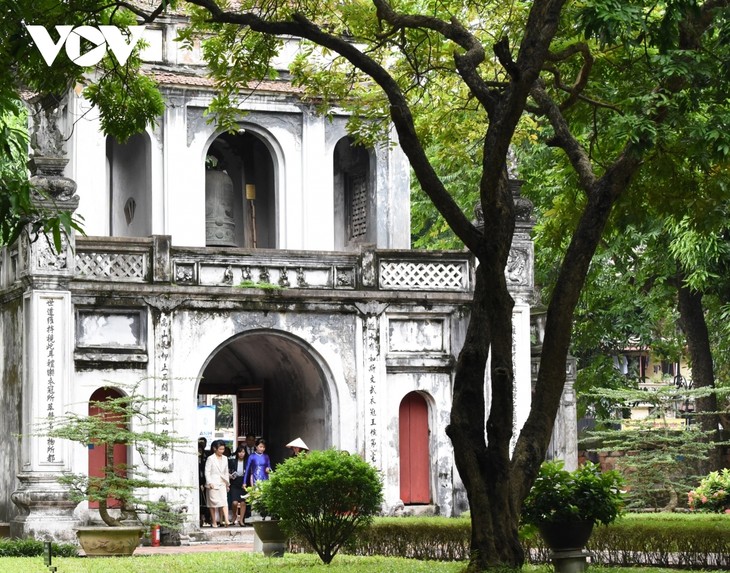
(153, 260)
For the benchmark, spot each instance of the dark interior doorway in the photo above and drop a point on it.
(279, 388)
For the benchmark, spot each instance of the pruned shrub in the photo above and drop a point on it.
(34, 548)
(425, 538)
(324, 497)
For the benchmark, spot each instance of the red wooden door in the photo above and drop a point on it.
(415, 455)
(97, 452)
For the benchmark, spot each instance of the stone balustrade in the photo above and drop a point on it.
(153, 260)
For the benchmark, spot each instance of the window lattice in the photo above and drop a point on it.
(359, 208)
(112, 266)
(250, 418)
(422, 276)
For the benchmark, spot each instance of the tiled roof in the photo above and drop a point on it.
(192, 80)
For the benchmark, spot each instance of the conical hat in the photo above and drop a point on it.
(298, 443)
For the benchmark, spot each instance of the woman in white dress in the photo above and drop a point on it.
(217, 480)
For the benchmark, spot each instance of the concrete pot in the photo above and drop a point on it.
(105, 541)
(569, 536)
(270, 536)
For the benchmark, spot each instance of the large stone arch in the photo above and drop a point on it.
(297, 390)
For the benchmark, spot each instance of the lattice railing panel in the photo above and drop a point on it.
(112, 266)
(423, 276)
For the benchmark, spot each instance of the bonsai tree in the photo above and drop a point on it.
(323, 497)
(586, 494)
(128, 420)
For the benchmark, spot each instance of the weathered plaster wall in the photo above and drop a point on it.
(11, 400)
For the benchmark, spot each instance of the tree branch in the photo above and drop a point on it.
(564, 138)
(581, 79)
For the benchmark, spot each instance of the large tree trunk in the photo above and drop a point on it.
(692, 319)
(485, 468)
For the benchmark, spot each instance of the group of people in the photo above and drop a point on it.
(224, 478)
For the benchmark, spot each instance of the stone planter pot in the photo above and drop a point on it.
(567, 540)
(270, 537)
(571, 536)
(105, 541)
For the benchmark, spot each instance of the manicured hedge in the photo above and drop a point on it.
(691, 541)
(440, 539)
(33, 548)
(428, 538)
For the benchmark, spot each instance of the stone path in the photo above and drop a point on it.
(207, 539)
(195, 548)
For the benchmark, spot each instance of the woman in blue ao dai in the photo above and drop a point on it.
(258, 465)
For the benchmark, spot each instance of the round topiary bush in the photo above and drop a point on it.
(324, 497)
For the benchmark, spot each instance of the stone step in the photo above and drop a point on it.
(220, 535)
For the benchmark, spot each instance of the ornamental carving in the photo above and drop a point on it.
(516, 270)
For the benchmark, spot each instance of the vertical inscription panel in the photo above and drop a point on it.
(48, 372)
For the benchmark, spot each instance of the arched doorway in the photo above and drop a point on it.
(415, 458)
(97, 452)
(129, 183)
(240, 192)
(277, 387)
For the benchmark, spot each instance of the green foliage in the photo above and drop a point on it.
(127, 100)
(261, 285)
(19, 211)
(429, 538)
(223, 412)
(673, 215)
(664, 540)
(34, 548)
(658, 467)
(126, 107)
(585, 494)
(323, 496)
(659, 539)
(131, 420)
(713, 493)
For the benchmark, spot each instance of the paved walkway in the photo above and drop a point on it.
(207, 539)
(195, 548)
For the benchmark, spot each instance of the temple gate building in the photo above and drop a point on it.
(272, 264)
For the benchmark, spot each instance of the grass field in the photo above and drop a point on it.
(232, 562)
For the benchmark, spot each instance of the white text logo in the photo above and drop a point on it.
(101, 37)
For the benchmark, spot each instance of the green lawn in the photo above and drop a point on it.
(225, 562)
(233, 562)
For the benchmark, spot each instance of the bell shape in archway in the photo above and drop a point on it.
(219, 224)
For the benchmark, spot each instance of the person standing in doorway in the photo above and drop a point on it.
(258, 465)
(217, 480)
(250, 444)
(237, 468)
(203, 455)
(297, 447)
